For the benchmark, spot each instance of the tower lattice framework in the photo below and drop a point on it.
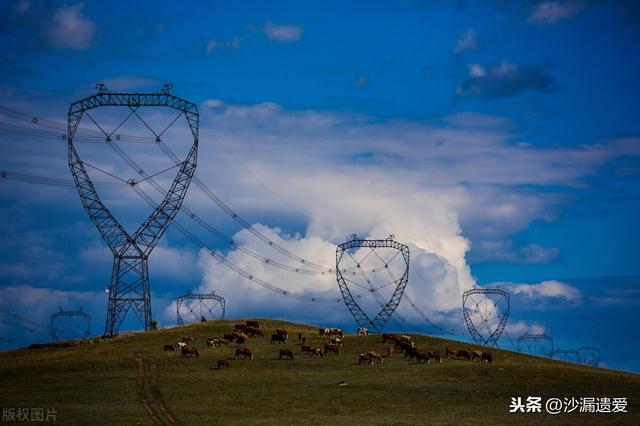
(129, 286)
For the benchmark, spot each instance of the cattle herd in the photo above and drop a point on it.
(331, 344)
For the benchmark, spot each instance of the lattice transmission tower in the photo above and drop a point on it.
(69, 325)
(486, 311)
(198, 306)
(129, 286)
(366, 282)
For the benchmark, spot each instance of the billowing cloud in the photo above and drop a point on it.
(504, 80)
(466, 42)
(283, 33)
(550, 12)
(540, 292)
(70, 29)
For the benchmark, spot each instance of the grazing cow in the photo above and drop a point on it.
(253, 323)
(363, 331)
(253, 332)
(389, 351)
(245, 352)
(223, 363)
(240, 326)
(336, 341)
(464, 355)
(311, 351)
(324, 332)
(187, 350)
(332, 348)
(451, 353)
(404, 346)
(241, 338)
(336, 332)
(282, 332)
(169, 348)
(186, 339)
(286, 353)
(365, 359)
(389, 337)
(411, 353)
(422, 356)
(211, 342)
(278, 338)
(406, 339)
(483, 356)
(435, 355)
(375, 356)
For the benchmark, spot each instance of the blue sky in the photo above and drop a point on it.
(500, 140)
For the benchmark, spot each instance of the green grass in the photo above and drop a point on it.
(129, 380)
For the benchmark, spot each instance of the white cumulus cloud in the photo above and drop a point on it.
(70, 29)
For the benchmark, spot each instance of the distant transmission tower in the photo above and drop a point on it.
(397, 285)
(486, 311)
(129, 287)
(196, 306)
(69, 325)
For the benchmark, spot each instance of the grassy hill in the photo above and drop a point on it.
(130, 380)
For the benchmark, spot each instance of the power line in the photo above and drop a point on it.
(221, 258)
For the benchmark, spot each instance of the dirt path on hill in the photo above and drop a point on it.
(152, 400)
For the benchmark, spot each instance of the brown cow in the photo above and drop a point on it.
(434, 355)
(332, 348)
(389, 351)
(464, 355)
(365, 359)
(240, 326)
(169, 348)
(375, 356)
(212, 341)
(241, 338)
(311, 351)
(484, 356)
(362, 331)
(422, 356)
(300, 336)
(223, 363)
(336, 332)
(230, 337)
(253, 323)
(246, 352)
(454, 353)
(278, 338)
(283, 333)
(187, 350)
(254, 331)
(389, 337)
(286, 353)
(411, 353)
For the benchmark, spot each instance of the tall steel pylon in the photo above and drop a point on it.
(387, 309)
(129, 286)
